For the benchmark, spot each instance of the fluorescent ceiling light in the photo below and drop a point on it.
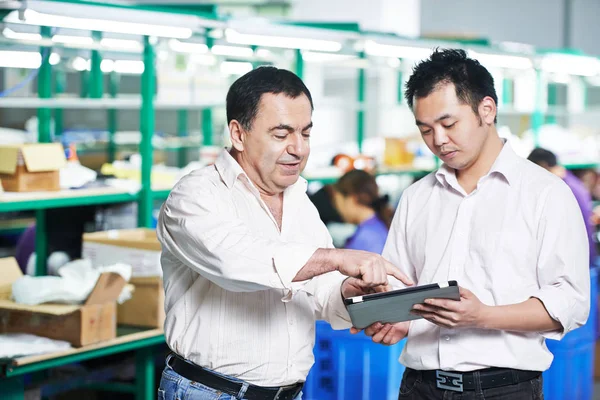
(162, 55)
(203, 59)
(107, 66)
(129, 67)
(72, 39)
(235, 68)
(20, 59)
(393, 62)
(54, 58)
(386, 50)
(232, 51)
(81, 64)
(187, 47)
(501, 60)
(316, 57)
(35, 18)
(263, 53)
(121, 44)
(570, 64)
(216, 33)
(233, 36)
(560, 78)
(10, 34)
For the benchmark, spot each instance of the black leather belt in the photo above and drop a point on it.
(488, 378)
(195, 373)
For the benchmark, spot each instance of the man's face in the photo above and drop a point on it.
(450, 129)
(276, 148)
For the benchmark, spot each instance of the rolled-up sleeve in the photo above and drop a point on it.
(209, 239)
(329, 302)
(563, 268)
(330, 305)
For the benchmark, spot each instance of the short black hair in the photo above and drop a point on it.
(471, 80)
(543, 157)
(243, 97)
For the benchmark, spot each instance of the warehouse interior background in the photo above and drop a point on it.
(104, 105)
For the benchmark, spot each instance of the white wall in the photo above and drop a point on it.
(585, 27)
(536, 22)
(399, 16)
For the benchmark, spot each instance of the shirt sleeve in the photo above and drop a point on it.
(396, 246)
(212, 241)
(563, 268)
(329, 303)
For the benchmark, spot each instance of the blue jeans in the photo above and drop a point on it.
(174, 386)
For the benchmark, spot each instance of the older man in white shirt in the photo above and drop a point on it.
(248, 265)
(508, 231)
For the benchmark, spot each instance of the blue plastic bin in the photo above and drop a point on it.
(352, 367)
(571, 375)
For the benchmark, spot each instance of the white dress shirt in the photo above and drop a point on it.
(519, 234)
(230, 302)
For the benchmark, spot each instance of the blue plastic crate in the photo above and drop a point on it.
(352, 367)
(571, 375)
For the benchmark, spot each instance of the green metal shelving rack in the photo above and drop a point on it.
(11, 380)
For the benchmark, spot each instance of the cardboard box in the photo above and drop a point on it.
(146, 307)
(92, 322)
(137, 247)
(31, 167)
(141, 249)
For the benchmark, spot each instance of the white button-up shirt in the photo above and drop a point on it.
(519, 234)
(230, 302)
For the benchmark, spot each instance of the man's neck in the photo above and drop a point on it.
(469, 177)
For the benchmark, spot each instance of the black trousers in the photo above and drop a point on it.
(413, 387)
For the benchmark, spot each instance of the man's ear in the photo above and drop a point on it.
(237, 135)
(488, 110)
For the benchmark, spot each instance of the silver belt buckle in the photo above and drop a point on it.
(449, 381)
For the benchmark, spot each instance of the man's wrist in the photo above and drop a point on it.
(486, 317)
(328, 258)
(342, 288)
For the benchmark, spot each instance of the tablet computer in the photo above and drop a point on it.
(395, 305)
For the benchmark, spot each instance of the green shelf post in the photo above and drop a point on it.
(12, 388)
(182, 131)
(207, 127)
(60, 84)
(147, 130)
(299, 64)
(360, 116)
(537, 118)
(113, 80)
(44, 136)
(400, 86)
(144, 374)
(45, 90)
(552, 101)
(507, 92)
(255, 63)
(206, 113)
(96, 78)
(84, 80)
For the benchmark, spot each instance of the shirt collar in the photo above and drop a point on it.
(229, 170)
(505, 165)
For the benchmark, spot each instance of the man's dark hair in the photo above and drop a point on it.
(471, 80)
(543, 157)
(244, 95)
